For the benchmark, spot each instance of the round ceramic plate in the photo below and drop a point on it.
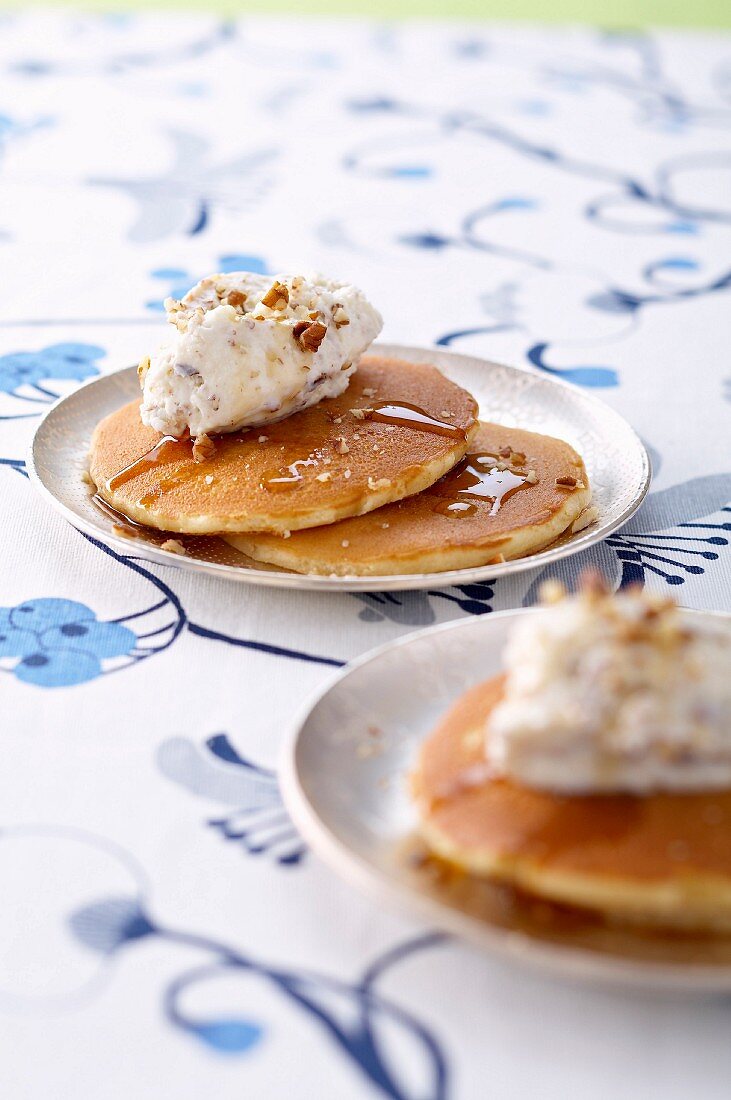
(616, 460)
(344, 779)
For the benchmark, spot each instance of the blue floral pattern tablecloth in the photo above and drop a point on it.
(555, 198)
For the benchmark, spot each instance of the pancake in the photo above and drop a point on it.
(449, 526)
(662, 860)
(312, 468)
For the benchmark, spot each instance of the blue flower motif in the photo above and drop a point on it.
(28, 368)
(58, 643)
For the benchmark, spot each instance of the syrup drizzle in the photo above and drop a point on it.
(169, 449)
(455, 509)
(412, 416)
(117, 517)
(188, 473)
(165, 450)
(288, 477)
(478, 477)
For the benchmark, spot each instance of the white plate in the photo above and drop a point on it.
(617, 463)
(343, 777)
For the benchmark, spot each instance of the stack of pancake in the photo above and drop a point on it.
(662, 859)
(394, 476)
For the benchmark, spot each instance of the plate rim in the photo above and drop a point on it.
(273, 578)
(566, 962)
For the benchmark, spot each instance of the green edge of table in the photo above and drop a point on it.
(607, 13)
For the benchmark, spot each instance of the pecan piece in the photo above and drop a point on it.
(309, 336)
(277, 293)
(203, 448)
(236, 298)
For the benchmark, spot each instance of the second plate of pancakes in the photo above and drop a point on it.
(513, 402)
(345, 775)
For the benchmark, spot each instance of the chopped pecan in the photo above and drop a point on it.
(566, 482)
(236, 298)
(276, 293)
(203, 448)
(309, 336)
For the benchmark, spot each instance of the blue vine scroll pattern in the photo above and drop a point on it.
(602, 308)
(366, 1027)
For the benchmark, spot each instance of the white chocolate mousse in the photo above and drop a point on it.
(612, 693)
(246, 350)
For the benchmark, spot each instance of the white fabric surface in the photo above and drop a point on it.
(554, 198)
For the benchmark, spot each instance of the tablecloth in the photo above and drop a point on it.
(554, 198)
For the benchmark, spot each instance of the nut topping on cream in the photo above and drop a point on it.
(246, 350)
(612, 693)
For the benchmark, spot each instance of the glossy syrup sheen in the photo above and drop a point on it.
(287, 477)
(167, 449)
(405, 415)
(476, 477)
(117, 517)
(171, 450)
(188, 473)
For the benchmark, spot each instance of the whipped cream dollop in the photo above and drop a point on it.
(247, 349)
(614, 693)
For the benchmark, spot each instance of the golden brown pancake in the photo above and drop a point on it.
(315, 467)
(662, 859)
(472, 515)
